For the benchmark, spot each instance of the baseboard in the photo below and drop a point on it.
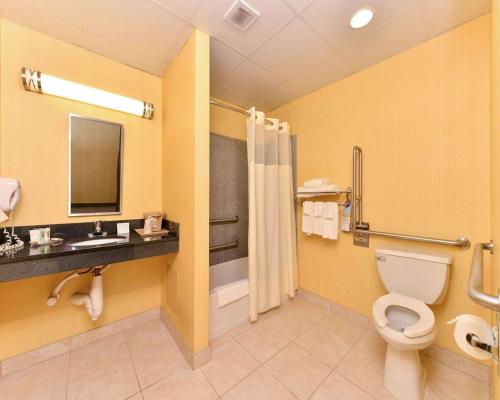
(195, 360)
(457, 361)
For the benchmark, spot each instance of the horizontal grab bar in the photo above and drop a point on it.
(475, 290)
(224, 221)
(462, 242)
(226, 246)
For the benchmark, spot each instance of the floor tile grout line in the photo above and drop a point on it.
(241, 380)
(345, 377)
(66, 394)
(163, 377)
(456, 369)
(132, 361)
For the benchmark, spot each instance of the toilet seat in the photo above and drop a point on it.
(422, 327)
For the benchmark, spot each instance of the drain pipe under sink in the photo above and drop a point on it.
(93, 301)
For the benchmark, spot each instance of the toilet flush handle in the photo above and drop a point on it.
(380, 258)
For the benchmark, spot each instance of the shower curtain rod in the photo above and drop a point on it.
(233, 108)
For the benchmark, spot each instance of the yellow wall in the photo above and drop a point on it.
(495, 161)
(185, 184)
(421, 118)
(34, 149)
(227, 123)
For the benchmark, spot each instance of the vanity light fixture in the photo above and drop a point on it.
(39, 82)
(362, 17)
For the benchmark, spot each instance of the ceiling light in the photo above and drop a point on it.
(36, 81)
(362, 17)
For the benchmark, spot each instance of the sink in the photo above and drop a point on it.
(97, 242)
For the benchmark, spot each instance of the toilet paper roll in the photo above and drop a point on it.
(467, 323)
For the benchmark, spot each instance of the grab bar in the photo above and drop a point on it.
(221, 247)
(475, 290)
(462, 242)
(361, 229)
(224, 221)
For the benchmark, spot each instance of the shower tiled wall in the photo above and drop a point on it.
(229, 194)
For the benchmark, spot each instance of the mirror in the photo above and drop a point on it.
(95, 166)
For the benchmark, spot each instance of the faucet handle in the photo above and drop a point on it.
(98, 228)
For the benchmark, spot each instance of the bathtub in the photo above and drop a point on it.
(225, 318)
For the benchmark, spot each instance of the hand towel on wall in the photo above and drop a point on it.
(318, 218)
(312, 183)
(307, 217)
(330, 216)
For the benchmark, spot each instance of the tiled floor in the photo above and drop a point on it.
(300, 351)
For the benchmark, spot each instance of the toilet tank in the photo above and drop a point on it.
(414, 273)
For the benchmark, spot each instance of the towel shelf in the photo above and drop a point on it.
(221, 247)
(303, 196)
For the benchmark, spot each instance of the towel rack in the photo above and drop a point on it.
(221, 247)
(347, 192)
(221, 221)
(361, 230)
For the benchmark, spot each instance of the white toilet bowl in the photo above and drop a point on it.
(407, 325)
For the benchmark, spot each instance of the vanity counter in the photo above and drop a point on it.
(30, 261)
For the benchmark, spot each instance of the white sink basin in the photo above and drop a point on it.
(97, 242)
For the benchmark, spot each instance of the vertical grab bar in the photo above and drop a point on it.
(475, 289)
(357, 188)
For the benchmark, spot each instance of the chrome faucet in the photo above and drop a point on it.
(98, 230)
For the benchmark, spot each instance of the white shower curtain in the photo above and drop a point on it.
(271, 231)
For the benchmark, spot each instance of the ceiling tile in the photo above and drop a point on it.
(39, 20)
(446, 14)
(182, 8)
(223, 60)
(139, 24)
(323, 74)
(125, 55)
(230, 96)
(73, 11)
(179, 43)
(399, 35)
(251, 79)
(299, 5)
(273, 15)
(331, 19)
(293, 50)
(280, 95)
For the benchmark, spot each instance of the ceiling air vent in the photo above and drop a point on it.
(241, 15)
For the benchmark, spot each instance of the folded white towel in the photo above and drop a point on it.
(330, 219)
(307, 217)
(318, 218)
(312, 183)
(330, 210)
(231, 292)
(310, 192)
(318, 208)
(308, 208)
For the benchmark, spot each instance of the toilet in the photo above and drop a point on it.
(402, 317)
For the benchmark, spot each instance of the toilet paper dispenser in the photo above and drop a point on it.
(475, 337)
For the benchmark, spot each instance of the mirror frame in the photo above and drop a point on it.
(120, 211)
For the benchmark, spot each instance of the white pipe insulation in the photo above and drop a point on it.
(94, 300)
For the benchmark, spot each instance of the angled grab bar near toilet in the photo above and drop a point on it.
(361, 230)
(475, 289)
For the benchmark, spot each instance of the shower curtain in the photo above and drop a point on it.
(272, 256)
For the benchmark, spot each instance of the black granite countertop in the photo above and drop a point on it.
(32, 261)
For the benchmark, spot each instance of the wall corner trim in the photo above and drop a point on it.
(195, 359)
